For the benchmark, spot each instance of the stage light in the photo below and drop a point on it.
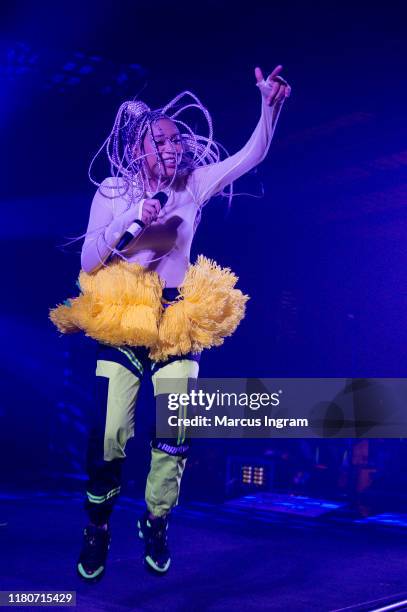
(258, 476)
(18, 60)
(64, 74)
(252, 475)
(247, 474)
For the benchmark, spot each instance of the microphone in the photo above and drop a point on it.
(137, 226)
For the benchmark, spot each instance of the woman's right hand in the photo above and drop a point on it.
(150, 210)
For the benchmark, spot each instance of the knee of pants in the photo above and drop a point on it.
(173, 377)
(115, 441)
(163, 481)
(106, 446)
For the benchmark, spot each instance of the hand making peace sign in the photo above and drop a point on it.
(275, 89)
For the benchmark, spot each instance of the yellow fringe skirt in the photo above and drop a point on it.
(121, 304)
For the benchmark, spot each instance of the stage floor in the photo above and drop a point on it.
(220, 563)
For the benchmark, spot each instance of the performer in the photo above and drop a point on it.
(145, 304)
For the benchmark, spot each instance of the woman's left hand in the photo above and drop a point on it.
(274, 89)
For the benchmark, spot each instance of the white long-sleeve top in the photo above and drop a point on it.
(165, 245)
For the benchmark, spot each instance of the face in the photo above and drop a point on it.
(169, 144)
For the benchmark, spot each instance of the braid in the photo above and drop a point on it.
(124, 148)
(134, 120)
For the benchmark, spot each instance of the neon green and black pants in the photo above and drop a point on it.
(119, 373)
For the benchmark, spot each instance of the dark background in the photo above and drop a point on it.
(322, 254)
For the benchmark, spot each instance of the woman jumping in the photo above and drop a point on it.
(143, 301)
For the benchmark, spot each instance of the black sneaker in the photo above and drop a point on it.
(92, 559)
(154, 534)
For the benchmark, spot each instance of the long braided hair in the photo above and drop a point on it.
(125, 152)
(124, 145)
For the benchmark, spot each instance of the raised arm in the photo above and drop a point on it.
(213, 178)
(104, 229)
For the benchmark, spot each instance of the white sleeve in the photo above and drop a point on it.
(209, 180)
(104, 229)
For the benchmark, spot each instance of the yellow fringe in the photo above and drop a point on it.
(121, 304)
(208, 309)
